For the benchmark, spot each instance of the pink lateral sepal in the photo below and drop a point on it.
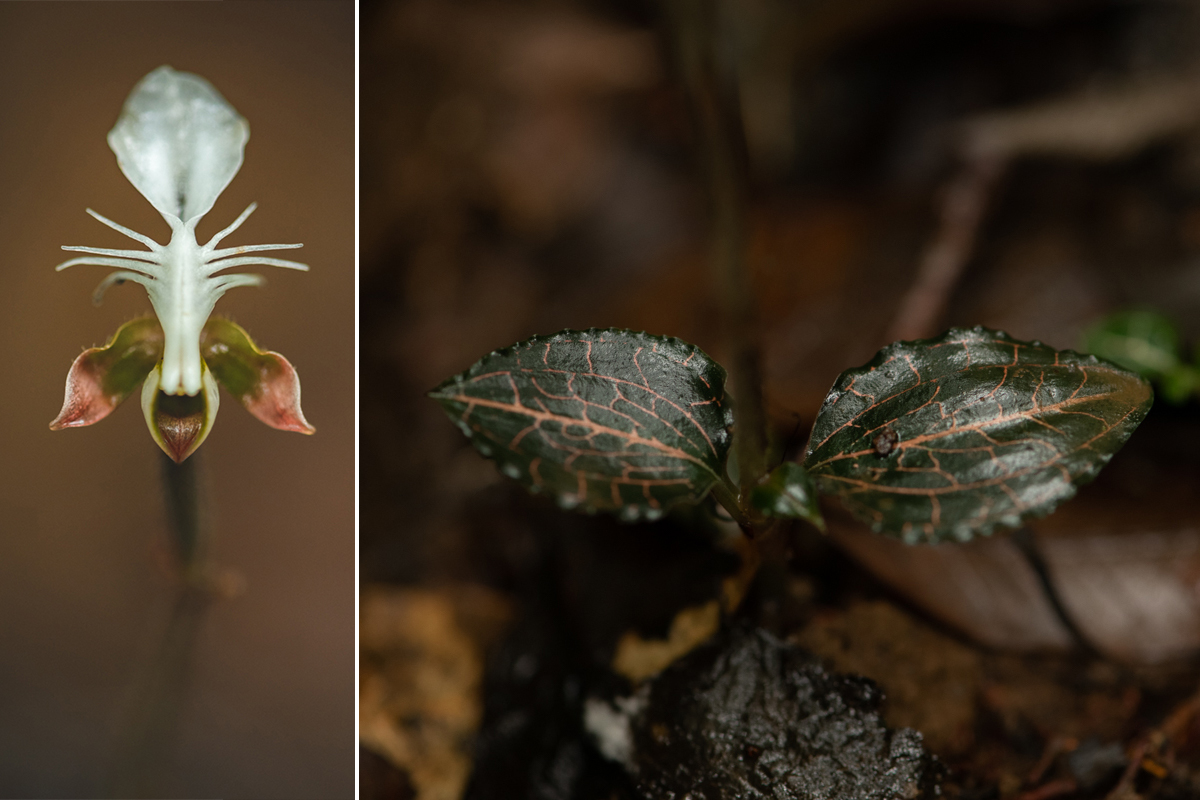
(102, 377)
(262, 380)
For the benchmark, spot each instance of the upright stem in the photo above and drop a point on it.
(726, 495)
(712, 92)
(147, 738)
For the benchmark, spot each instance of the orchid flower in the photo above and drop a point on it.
(180, 144)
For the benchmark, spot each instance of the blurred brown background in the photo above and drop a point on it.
(82, 600)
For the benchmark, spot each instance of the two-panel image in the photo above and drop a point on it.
(600, 400)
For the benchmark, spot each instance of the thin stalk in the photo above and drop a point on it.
(711, 88)
(726, 494)
(182, 493)
(146, 741)
(712, 94)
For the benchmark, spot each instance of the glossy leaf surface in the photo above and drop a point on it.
(948, 438)
(788, 493)
(607, 420)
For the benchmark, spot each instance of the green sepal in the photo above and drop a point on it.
(599, 420)
(1140, 340)
(262, 380)
(102, 377)
(788, 493)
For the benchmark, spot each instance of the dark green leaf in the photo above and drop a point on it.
(788, 493)
(607, 420)
(948, 438)
(1138, 339)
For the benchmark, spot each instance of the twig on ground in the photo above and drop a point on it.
(1124, 788)
(1157, 745)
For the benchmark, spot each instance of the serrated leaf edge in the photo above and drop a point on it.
(628, 513)
(965, 533)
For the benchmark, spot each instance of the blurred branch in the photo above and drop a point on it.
(1156, 748)
(964, 201)
(1099, 126)
(1095, 126)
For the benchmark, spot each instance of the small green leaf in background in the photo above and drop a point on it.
(608, 420)
(1146, 342)
(788, 493)
(1180, 383)
(948, 438)
(1140, 340)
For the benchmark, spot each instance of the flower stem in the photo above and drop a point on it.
(182, 495)
(147, 737)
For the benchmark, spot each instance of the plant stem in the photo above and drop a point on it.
(712, 93)
(726, 494)
(182, 494)
(147, 738)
